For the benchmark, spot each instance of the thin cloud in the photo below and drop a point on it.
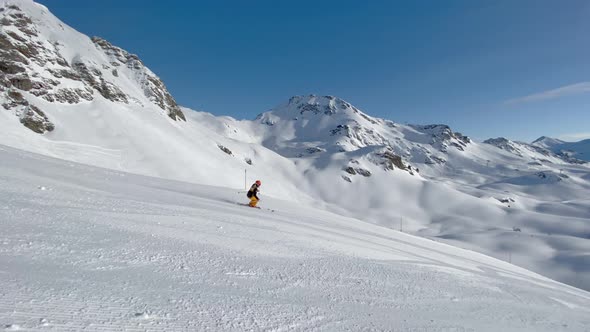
(568, 90)
(574, 137)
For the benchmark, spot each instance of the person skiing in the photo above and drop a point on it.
(253, 193)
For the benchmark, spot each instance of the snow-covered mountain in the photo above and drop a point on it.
(308, 126)
(84, 248)
(80, 99)
(543, 149)
(569, 150)
(45, 59)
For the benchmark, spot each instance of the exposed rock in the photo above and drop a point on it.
(350, 170)
(443, 136)
(11, 55)
(176, 114)
(432, 160)
(17, 96)
(569, 157)
(4, 82)
(21, 44)
(504, 144)
(94, 78)
(21, 82)
(61, 61)
(34, 119)
(313, 108)
(67, 73)
(391, 160)
(339, 129)
(295, 99)
(457, 146)
(66, 96)
(507, 200)
(390, 124)
(462, 138)
(15, 36)
(368, 118)
(45, 84)
(346, 178)
(248, 161)
(13, 98)
(153, 87)
(363, 172)
(224, 149)
(313, 150)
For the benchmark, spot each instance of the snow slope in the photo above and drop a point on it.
(93, 249)
(507, 199)
(316, 151)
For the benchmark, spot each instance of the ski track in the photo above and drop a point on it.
(83, 255)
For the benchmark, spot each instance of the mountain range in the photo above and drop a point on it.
(84, 100)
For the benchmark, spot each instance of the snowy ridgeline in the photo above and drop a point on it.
(85, 248)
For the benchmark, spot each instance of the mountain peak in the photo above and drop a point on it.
(547, 142)
(309, 105)
(573, 152)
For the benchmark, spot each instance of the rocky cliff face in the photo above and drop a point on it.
(34, 69)
(152, 86)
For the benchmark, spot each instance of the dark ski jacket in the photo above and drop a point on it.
(253, 191)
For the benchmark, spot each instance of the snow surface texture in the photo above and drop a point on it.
(84, 248)
(511, 200)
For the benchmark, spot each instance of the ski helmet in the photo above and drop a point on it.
(258, 182)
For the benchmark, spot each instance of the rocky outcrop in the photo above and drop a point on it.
(94, 78)
(434, 160)
(224, 149)
(34, 65)
(22, 48)
(30, 115)
(350, 170)
(391, 161)
(504, 144)
(443, 137)
(34, 119)
(363, 172)
(152, 86)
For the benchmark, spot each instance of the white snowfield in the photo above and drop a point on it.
(85, 248)
(507, 200)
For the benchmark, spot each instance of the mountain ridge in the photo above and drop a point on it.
(37, 66)
(569, 150)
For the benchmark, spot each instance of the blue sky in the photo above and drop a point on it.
(519, 69)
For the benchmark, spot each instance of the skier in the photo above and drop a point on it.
(253, 193)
